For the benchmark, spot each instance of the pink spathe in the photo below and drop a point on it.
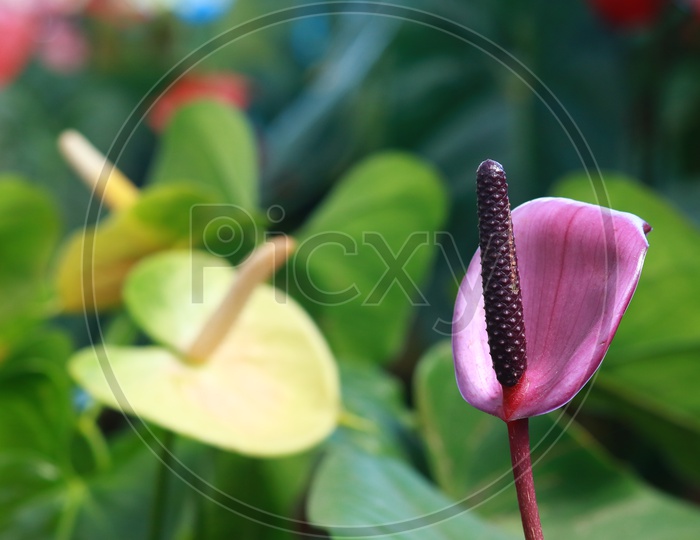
(579, 265)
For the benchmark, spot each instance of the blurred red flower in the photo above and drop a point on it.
(18, 37)
(44, 28)
(628, 13)
(226, 88)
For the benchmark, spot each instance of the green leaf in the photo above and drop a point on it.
(41, 500)
(37, 438)
(257, 498)
(653, 409)
(648, 378)
(376, 419)
(357, 495)
(29, 228)
(441, 408)
(35, 398)
(386, 209)
(213, 145)
(269, 388)
(41, 490)
(98, 259)
(30, 510)
(581, 493)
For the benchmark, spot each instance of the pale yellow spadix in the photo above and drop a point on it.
(268, 385)
(99, 174)
(257, 268)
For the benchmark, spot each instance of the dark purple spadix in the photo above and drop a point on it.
(499, 274)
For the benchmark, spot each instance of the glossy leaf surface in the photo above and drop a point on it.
(29, 229)
(364, 255)
(377, 419)
(357, 495)
(213, 146)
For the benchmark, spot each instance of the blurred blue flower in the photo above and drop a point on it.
(82, 400)
(201, 11)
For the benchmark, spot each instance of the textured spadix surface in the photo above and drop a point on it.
(270, 388)
(579, 265)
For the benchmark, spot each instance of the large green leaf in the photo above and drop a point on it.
(359, 495)
(647, 379)
(256, 498)
(29, 228)
(653, 409)
(376, 418)
(36, 430)
(386, 209)
(35, 399)
(213, 145)
(210, 495)
(41, 500)
(580, 491)
(96, 261)
(269, 388)
(43, 493)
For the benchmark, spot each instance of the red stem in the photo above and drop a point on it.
(519, 437)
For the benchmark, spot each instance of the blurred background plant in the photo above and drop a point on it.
(546, 88)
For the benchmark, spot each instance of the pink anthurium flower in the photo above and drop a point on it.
(536, 312)
(579, 265)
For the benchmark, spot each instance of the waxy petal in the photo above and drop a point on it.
(270, 388)
(579, 265)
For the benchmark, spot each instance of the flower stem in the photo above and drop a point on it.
(88, 428)
(519, 438)
(160, 493)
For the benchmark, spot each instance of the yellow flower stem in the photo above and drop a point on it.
(257, 268)
(99, 174)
